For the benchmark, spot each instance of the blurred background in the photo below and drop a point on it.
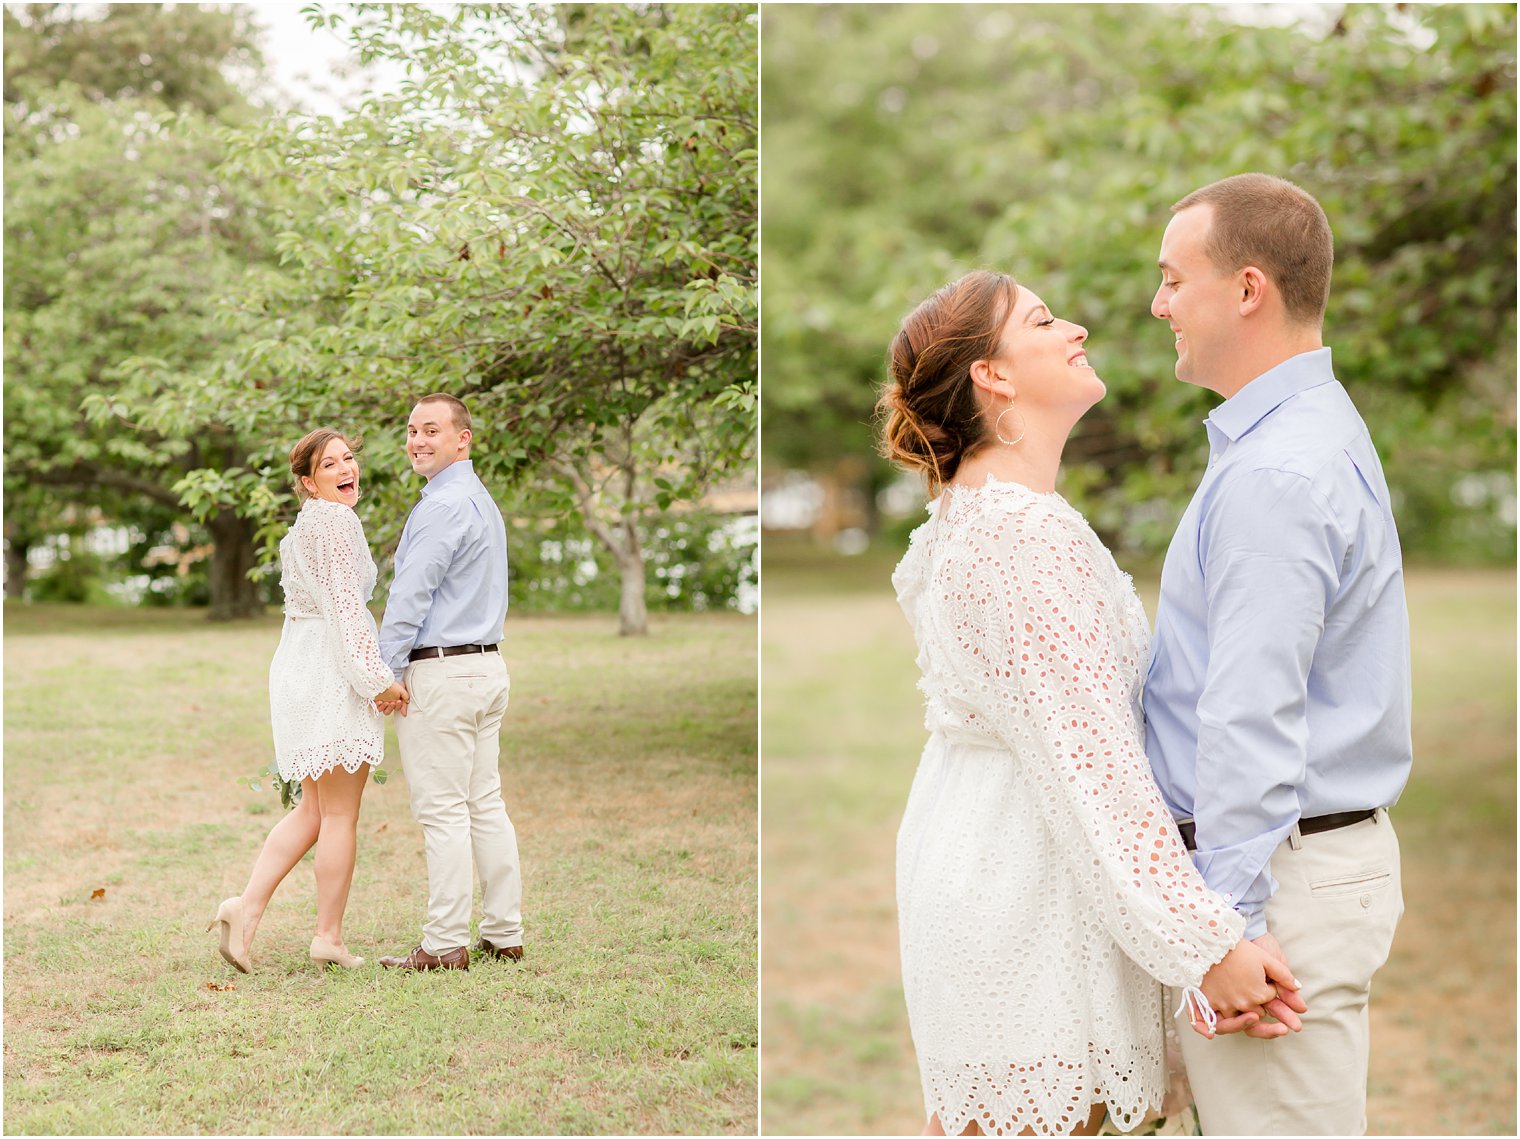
(906, 144)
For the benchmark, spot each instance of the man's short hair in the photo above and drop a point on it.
(1279, 228)
(457, 410)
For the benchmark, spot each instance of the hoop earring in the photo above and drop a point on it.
(997, 427)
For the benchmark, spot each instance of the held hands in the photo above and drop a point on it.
(1252, 983)
(393, 699)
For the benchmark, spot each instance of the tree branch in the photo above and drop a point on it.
(83, 475)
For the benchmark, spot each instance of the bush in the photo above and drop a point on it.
(693, 562)
(77, 577)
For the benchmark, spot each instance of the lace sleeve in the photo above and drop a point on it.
(1041, 664)
(339, 559)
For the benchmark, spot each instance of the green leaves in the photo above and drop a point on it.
(555, 217)
(907, 144)
(568, 261)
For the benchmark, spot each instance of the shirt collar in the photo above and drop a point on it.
(1263, 395)
(458, 469)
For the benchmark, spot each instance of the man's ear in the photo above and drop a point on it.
(1253, 289)
(466, 437)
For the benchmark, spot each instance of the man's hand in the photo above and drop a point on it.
(394, 699)
(1283, 1009)
(1288, 1003)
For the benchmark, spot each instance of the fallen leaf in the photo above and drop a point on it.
(216, 987)
(381, 827)
(96, 895)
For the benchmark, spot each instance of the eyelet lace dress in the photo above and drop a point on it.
(1042, 888)
(327, 669)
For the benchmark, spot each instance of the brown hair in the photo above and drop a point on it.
(457, 410)
(1276, 226)
(306, 454)
(931, 419)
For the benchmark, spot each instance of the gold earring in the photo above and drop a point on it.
(997, 427)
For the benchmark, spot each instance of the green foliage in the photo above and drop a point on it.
(694, 565)
(549, 221)
(118, 236)
(698, 564)
(174, 54)
(76, 576)
(906, 144)
(553, 217)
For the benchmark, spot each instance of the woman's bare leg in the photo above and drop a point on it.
(337, 797)
(1094, 1121)
(287, 844)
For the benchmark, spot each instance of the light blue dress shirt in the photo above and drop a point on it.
(450, 585)
(1279, 682)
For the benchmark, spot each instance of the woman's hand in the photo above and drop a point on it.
(393, 699)
(1245, 982)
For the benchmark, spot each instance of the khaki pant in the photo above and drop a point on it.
(449, 751)
(1338, 901)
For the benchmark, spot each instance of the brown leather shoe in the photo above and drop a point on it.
(420, 961)
(507, 953)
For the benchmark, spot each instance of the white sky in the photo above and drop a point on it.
(313, 69)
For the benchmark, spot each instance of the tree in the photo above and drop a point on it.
(906, 145)
(554, 218)
(177, 55)
(118, 238)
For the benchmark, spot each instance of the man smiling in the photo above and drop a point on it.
(1278, 698)
(443, 621)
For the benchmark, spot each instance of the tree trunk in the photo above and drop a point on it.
(633, 615)
(233, 595)
(15, 569)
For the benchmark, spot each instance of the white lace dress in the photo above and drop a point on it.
(327, 669)
(1042, 887)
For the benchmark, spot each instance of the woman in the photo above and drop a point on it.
(323, 684)
(1043, 890)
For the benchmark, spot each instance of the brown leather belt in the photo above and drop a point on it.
(1305, 826)
(451, 651)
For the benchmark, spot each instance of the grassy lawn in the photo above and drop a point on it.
(629, 770)
(841, 733)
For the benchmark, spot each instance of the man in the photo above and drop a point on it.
(1277, 701)
(443, 621)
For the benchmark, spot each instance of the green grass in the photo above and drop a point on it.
(629, 769)
(841, 733)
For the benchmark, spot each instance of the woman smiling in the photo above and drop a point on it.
(323, 684)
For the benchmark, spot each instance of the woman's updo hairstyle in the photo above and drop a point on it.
(930, 416)
(306, 454)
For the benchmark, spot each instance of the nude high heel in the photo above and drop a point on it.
(230, 915)
(326, 953)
